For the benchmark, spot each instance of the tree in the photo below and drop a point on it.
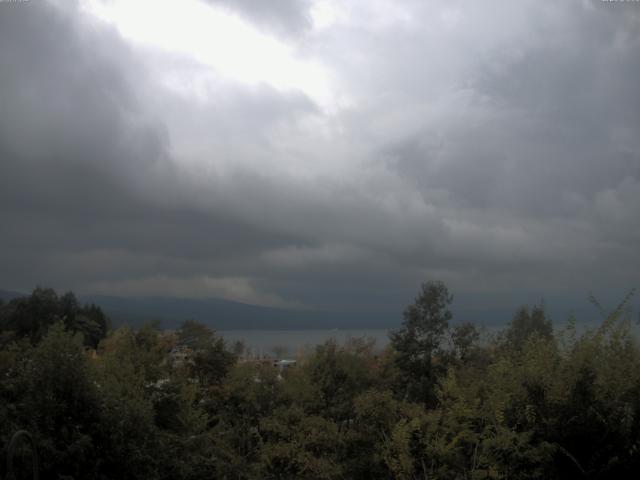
(338, 376)
(297, 445)
(212, 363)
(239, 348)
(92, 323)
(211, 360)
(250, 392)
(526, 323)
(195, 335)
(57, 401)
(418, 343)
(463, 338)
(126, 371)
(30, 317)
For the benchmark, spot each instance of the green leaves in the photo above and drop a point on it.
(418, 344)
(527, 323)
(530, 404)
(297, 445)
(31, 317)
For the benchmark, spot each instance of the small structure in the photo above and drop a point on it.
(180, 354)
(282, 364)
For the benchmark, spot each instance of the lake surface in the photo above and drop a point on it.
(291, 342)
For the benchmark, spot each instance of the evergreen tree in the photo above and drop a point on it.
(418, 344)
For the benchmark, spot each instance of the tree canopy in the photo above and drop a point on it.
(439, 402)
(418, 344)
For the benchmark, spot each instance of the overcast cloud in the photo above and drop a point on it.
(320, 154)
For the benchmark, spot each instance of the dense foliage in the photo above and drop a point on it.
(438, 403)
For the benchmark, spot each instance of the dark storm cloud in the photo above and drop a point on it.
(515, 136)
(547, 134)
(87, 186)
(535, 121)
(69, 127)
(497, 159)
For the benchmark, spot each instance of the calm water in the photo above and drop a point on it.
(292, 342)
(289, 343)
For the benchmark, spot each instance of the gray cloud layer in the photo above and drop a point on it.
(284, 17)
(495, 147)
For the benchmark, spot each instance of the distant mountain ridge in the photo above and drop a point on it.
(228, 315)
(7, 295)
(221, 314)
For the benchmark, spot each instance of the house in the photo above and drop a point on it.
(180, 354)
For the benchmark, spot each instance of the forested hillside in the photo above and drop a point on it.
(439, 403)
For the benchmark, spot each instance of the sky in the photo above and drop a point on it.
(320, 154)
